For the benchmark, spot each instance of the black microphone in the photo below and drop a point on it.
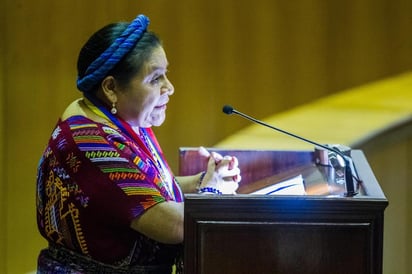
(350, 191)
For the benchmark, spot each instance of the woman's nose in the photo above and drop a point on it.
(168, 87)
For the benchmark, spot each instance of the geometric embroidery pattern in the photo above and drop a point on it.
(65, 204)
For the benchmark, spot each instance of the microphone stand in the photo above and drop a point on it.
(350, 190)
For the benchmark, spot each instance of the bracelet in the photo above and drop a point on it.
(210, 190)
(202, 176)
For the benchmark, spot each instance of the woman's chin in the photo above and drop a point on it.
(156, 120)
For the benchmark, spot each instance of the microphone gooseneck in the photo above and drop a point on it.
(350, 191)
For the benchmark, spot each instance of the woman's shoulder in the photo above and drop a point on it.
(78, 122)
(73, 109)
(79, 109)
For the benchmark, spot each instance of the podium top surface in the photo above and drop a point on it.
(262, 168)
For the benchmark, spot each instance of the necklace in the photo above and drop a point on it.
(163, 170)
(141, 137)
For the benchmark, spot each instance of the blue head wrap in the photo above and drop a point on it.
(99, 68)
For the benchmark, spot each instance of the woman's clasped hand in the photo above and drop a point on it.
(222, 175)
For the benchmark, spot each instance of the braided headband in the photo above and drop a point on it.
(99, 68)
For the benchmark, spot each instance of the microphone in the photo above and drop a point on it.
(350, 191)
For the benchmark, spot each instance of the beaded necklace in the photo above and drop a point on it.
(142, 138)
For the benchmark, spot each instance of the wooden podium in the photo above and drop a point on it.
(320, 232)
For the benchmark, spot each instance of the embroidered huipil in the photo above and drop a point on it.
(93, 180)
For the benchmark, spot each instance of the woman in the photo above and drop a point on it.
(107, 201)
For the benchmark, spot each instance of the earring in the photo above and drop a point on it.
(114, 109)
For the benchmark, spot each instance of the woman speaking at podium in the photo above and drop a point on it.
(107, 201)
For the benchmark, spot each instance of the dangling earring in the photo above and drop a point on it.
(114, 109)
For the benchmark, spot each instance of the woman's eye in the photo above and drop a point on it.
(155, 79)
(158, 77)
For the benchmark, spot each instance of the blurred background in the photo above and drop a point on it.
(263, 57)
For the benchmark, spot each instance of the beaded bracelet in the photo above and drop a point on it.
(210, 190)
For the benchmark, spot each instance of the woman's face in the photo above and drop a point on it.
(143, 102)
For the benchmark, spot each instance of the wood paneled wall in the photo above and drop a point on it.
(263, 57)
(3, 183)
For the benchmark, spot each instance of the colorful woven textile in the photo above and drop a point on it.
(92, 182)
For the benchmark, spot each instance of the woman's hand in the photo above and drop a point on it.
(222, 175)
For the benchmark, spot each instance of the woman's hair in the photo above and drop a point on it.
(129, 65)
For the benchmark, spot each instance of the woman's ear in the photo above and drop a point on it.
(109, 89)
